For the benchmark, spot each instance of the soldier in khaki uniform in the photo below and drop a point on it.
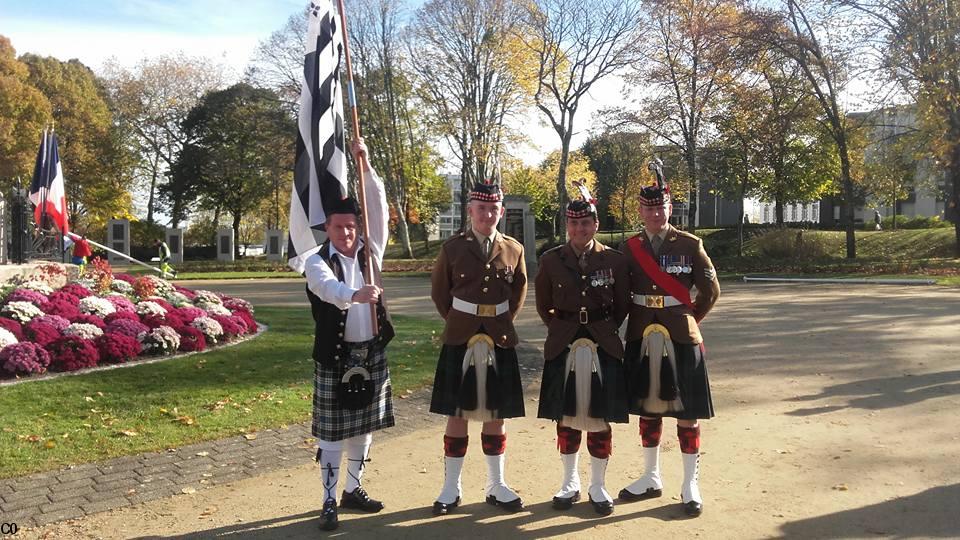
(583, 295)
(479, 283)
(664, 358)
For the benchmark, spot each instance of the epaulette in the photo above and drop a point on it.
(512, 239)
(686, 234)
(453, 238)
(554, 248)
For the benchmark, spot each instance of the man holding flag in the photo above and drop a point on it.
(352, 392)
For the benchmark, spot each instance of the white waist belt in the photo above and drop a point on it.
(655, 301)
(481, 310)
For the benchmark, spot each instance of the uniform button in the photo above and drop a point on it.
(559, 285)
(488, 266)
(503, 337)
(341, 323)
(484, 289)
(583, 293)
(340, 334)
(583, 277)
(336, 357)
(343, 312)
(463, 275)
(338, 345)
(654, 287)
(486, 278)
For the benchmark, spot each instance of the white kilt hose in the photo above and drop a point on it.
(331, 421)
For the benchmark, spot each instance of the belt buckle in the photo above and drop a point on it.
(653, 301)
(584, 317)
(487, 310)
(359, 354)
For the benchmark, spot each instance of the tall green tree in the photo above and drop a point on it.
(238, 138)
(619, 159)
(24, 112)
(96, 166)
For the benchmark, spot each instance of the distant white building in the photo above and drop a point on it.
(449, 219)
(757, 211)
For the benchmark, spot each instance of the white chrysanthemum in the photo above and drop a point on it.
(121, 287)
(239, 303)
(206, 297)
(216, 309)
(210, 328)
(39, 286)
(150, 308)
(101, 307)
(161, 340)
(83, 330)
(178, 299)
(86, 283)
(162, 286)
(22, 312)
(7, 338)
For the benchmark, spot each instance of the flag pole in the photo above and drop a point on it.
(361, 167)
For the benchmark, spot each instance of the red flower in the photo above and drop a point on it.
(117, 348)
(231, 325)
(247, 318)
(13, 326)
(76, 290)
(129, 315)
(72, 353)
(191, 339)
(41, 333)
(60, 307)
(89, 319)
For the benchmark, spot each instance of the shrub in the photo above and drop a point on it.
(72, 353)
(77, 290)
(41, 333)
(27, 295)
(93, 305)
(162, 340)
(24, 358)
(191, 339)
(189, 313)
(127, 327)
(61, 308)
(248, 319)
(89, 319)
(150, 308)
(7, 338)
(121, 303)
(211, 329)
(796, 244)
(64, 296)
(21, 312)
(117, 348)
(13, 327)
(128, 315)
(83, 330)
(56, 321)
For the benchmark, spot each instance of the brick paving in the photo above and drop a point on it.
(77, 491)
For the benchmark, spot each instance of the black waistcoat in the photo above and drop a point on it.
(328, 345)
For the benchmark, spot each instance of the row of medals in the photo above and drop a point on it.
(676, 264)
(601, 278)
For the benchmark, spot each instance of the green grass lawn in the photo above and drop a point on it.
(263, 383)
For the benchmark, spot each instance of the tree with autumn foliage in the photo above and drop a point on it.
(24, 112)
(620, 160)
(919, 43)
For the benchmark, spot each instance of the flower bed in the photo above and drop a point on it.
(102, 318)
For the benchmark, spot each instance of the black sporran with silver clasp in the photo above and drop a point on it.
(356, 388)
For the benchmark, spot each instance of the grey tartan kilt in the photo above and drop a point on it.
(333, 423)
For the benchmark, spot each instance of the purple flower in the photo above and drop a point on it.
(122, 303)
(56, 321)
(127, 327)
(27, 295)
(24, 358)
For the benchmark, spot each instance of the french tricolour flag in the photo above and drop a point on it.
(47, 191)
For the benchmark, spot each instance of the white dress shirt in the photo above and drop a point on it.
(323, 282)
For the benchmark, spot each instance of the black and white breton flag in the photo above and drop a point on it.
(320, 176)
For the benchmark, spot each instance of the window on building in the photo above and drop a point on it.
(803, 213)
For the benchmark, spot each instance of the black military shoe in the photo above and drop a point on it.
(359, 500)
(566, 503)
(510, 506)
(628, 496)
(328, 517)
(604, 508)
(442, 509)
(693, 508)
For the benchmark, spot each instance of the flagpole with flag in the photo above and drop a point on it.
(320, 170)
(47, 190)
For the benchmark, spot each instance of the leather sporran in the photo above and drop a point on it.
(356, 388)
